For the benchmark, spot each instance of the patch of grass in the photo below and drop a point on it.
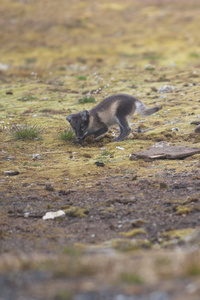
(67, 135)
(134, 232)
(183, 210)
(193, 269)
(72, 251)
(66, 295)
(53, 111)
(178, 233)
(30, 60)
(25, 132)
(81, 77)
(105, 155)
(124, 245)
(131, 278)
(75, 211)
(27, 98)
(149, 67)
(36, 165)
(86, 100)
(194, 55)
(152, 56)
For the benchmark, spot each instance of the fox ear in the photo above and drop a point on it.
(69, 118)
(85, 115)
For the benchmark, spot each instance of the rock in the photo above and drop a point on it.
(54, 215)
(175, 129)
(36, 156)
(149, 67)
(162, 150)
(195, 123)
(154, 89)
(4, 67)
(99, 164)
(163, 186)
(138, 222)
(166, 89)
(49, 187)
(11, 173)
(26, 215)
(194, 237)
(197, 129)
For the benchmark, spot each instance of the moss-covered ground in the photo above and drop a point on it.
(131, 226)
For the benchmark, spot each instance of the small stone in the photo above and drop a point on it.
(4, 67)
(175, 129)
(166, 89)
(11, 173)
(99, 164)
(64, 192)
(197, 129)
(154, 89)
(195, 123)
(49, 187)
(26, 215)
(54, 215)
(36, 156)
(163, 186)
(191, 288)
(138, 222)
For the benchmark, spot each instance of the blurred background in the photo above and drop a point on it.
(46, 33)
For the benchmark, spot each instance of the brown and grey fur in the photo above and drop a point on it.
(116, 109)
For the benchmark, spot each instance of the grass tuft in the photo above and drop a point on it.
(25, 132)
(27, 98)
(86, 100)
(81, 77)
(131, 278)
(67, 135)
(75, 211)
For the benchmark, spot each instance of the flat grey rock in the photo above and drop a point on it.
(163, 150)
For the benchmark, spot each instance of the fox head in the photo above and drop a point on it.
(79, 123)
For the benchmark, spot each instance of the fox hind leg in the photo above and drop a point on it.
(124, 128)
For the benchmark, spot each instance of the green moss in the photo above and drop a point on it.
(134, 232)
(124, 245)
(72, 251)
(74, 211)
(194, 55)
(183, 210)
(180, 233)
(66, 295)
(81, 77)
(193, 269)
(131, 278)
(86, 100)
(27, 98)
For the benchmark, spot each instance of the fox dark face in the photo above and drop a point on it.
(79, 123)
